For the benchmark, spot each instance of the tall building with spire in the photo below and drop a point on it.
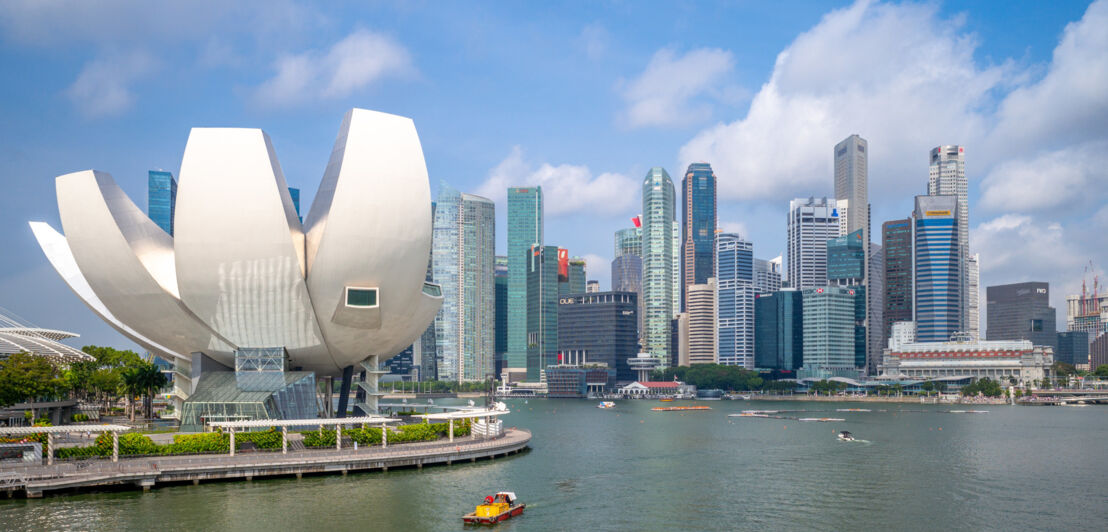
(698, 227)
(525, 229)
(659, 262)
(947, 177)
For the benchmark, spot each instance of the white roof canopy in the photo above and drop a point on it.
(256, 423)
(64, 429)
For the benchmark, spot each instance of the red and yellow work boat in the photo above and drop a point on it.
(496, 508)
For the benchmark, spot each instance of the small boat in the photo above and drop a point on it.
(821, 419)
(666, 400)
(748, 414)
(606, 404)
(679, 408)
(853, 410)
(496, 508)
(846, 436)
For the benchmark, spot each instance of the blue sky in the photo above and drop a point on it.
(582, 98)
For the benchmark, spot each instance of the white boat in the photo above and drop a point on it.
(821, 419)
(846, 436)
(606, 404)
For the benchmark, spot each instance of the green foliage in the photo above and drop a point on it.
(984, 386)
(325, 438)
(1101, 371)
(77, 418)
(710, 376)
(107, 357)
(828, 387)
(1064, 369)
(25, 377)
(266, 439)
(208, 442)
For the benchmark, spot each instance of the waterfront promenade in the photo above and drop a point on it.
(149, 472)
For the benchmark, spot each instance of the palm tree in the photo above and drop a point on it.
(152, 379)
(132, 386)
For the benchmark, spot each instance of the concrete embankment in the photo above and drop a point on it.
(146, 473)
(880, 399)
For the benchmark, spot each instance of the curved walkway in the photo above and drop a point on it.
(147, 472)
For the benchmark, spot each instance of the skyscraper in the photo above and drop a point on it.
(973, 295)
(767, 275)
(575, 283)
(592, 286)
(463, 260)
(947, 177)
(629, 241)
(1021, 311)
(541, 269)
(734, 270)
(829, 332)
(525, 223)
(937, 268)
(698, 196)
(779, 330)
(896, 240)
(846, 256)
(811, 223)
(658, 262)
(851, 167)
(500, 277)
(161, 190)
(601, 326)
(875, 308)
(702, 313)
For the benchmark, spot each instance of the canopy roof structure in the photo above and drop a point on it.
(261, 423)
(62, 429)
(16, 337)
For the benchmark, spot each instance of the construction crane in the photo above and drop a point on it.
(1090, 303)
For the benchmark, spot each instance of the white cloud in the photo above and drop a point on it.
(738, 228)
(355, 62)
(897, 74)
(103, 86)
(669, 91)
(1053, 180)
(597, 268)
(566, 188)
(593, 40)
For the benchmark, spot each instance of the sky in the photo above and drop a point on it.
(581, 98)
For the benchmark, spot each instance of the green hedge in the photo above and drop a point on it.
(372, 436)
(133, 443)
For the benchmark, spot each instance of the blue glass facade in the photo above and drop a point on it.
(525, 225)
(541, 268)
(734, 273)
(295, 193)
(698, 227)
(846, 258)
(937, 268)
(161, 191)
(779, 330)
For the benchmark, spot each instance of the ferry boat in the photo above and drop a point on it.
(679, 408)
(606, 404)
(496, 508)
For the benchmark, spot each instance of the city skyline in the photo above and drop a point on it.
(110, 110)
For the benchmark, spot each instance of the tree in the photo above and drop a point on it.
(1064, 369)
(1101, 371)
(24, 377)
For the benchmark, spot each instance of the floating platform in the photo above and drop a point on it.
(679, 408)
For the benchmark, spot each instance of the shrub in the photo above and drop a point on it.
(266, 439)
(314, 438)
(208, 442)
(77, 418)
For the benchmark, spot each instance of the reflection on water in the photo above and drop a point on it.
(629, 468)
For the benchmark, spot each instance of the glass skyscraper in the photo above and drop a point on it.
(734, 272)
(698, 195)
(161, 191)
(779, 330)
(541, 268)
(659, 265)
(829, 332)
(629, 241)
(937, 267)
(947, 177)
(525, 223)
(463, 261)
(600, 328)
(811, 223)
(896, 239)
(500, 277)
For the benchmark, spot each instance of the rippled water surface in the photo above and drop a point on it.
(628, 468)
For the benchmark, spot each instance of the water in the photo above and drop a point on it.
(628, 468)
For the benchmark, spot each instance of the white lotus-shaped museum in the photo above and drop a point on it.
(241, 271)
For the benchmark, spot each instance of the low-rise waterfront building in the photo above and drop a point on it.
(1003, 361)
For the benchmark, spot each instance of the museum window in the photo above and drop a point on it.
(361, 297)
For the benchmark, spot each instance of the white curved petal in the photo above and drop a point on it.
(370, 226)
(57, 251)
(239, 246)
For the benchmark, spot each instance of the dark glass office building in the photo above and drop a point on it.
(896, 240)
(542, 309)
(1021, 311)
(698, 227)
(1073, 348)
(500, 277)
(603, 325)
(161, 190)
(779, 330)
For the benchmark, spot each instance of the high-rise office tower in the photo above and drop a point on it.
(463, 243)
(525, 224)
(592, 287)
(767, 276)
(896, 240)
(851, 163)
(658, 262)
(811, 223)
(500, 277)
(779, 330)
(676, 266)
(846, 257)
(875, 308)
(947, 177)
(734, 271)
(541, 269)
(1073, 348)
(601, 326)
(937, 268)
(1021, 311)
(627, 274)
(702, 313)
(973, 295)
(576, 281)
(629, 241)
(829, 332)
(294, 193)
(698, 197)
(161, 199)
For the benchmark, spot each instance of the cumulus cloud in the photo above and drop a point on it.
(360, 59)
(566, 188)
(738, 228)
(597, 268)
(1053, 180)
(899, 75)
(104, 85)
(677, 90)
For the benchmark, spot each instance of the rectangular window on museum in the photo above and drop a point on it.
(361, 297)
